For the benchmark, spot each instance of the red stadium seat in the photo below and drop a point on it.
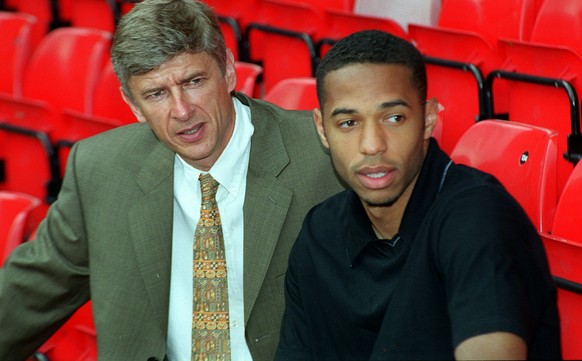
(240, 10)
(294, 93)
(97, 14)
(341, 23)
(107, 100)
(44, 13)
(285, 45)
(461, 49)
(568, 220)
(15, 220)
(125, 6)
(564, 249)
(79, 126)
(17, 44)
(75, 57)
(61, 75)
(522, 157)
(234, 17)
(65, 9)
(9, 4)
(247, 75)
(545, 75)
(233, 35)
(76, 340)
(490, 19)
(28, 161)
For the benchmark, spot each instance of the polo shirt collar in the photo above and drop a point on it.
(360, 231)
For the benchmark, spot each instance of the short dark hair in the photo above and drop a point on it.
(376, 47)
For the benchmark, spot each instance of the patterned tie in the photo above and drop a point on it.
(210, 325)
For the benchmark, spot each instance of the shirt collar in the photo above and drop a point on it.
(230, 168)
(427, 187)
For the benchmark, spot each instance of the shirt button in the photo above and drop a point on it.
(235, 323)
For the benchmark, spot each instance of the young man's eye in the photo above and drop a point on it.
(395, 118)
(347, 123)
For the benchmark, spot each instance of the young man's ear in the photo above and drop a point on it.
(431, 116)
(134, 108)
(318, 119)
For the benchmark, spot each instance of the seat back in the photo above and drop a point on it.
(241, 10)
(341, 23)
(553, 52)
(491, 19)
(294, 93)
(126, 5)
(15, 210)
(247, 75)
(64, 68)
(76, 340)
(16, 43)
(66, 9)
(540, 102)
(568, 220)
(10, 4)
(522, 157)
(558, 23)
(96, 14)
(467, 32)
(107, 99)
(80, 126)
(42, 11)
(27, 162)
(564, 250)
(285, 45)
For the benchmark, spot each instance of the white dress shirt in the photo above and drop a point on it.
(230, 170)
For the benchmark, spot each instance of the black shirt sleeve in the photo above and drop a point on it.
(294, 343)
(488, 253)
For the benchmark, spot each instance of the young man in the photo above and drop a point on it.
(122, 231)
(421, 258)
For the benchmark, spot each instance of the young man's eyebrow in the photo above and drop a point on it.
(394, 103)
(338, 111)
(385, 105)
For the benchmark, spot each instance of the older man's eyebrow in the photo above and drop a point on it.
(187, 78)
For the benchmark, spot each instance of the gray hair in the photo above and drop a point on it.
(156, 31)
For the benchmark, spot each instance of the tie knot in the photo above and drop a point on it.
(208, 185)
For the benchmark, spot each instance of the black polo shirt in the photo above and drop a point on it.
(466, 261)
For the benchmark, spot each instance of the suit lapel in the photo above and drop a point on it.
(151, 228)
(267, 201)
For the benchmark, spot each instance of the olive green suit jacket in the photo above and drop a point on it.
(108, 238)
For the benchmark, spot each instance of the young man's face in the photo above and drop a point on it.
(188, 105)
(374, 126)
